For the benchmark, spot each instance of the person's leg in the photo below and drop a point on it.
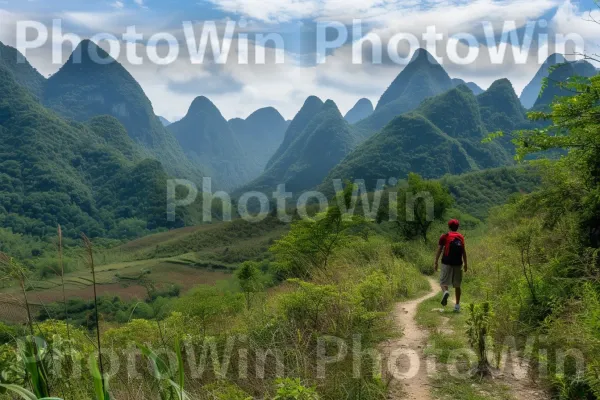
(445, 282)
(457, 283)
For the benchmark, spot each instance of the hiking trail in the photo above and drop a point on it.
(412, 342)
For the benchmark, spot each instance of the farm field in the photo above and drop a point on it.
(185, 257)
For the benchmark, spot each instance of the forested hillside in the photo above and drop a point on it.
(442, 136)
(22, 71)
(207, 139)
(423, 77)
(87, 177)
(84, 88)
(260, 135)
(314, 146)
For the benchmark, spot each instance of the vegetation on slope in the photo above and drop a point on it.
(207, 138)
(23, 73)
(321, 144)
(260, 135)
(55, 172)
(84, 88)
(423, 77)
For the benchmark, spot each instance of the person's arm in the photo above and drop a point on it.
(465, 263)
(437, 257)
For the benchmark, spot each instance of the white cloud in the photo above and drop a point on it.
(286, 86)
(118, 5)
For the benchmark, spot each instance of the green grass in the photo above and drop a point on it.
(448, 344)
(446, 387)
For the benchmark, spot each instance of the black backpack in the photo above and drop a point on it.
(453, 249)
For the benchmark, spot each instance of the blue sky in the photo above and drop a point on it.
(239, 89)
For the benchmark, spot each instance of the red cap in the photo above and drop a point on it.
(453, 223)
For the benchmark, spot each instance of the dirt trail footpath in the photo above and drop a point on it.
(405, 362)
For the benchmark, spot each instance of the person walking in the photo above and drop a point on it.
(454, 261)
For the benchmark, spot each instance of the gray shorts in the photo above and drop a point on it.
(451, 276)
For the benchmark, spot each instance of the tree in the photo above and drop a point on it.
(248, 278)
(311, 242)
(419, 203)
(573, 182)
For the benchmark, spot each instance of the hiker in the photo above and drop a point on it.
(453, 262)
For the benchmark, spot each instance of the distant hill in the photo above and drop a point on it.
(471, 85)
(477, 192)
(559, 75)
(312, 105)
(208, 139)
(260, 135)
(24, 74)
(164, 121)
(361, 110)
(531, 92)
(423, 77)
(316, 145)
(501, 110)
(442, 136)
(84, 88)
(457, 113)
(88, 177)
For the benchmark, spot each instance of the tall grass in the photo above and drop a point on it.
(100, 385)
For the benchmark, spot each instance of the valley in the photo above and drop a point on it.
(107, 291)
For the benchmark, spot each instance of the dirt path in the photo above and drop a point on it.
(405, 362)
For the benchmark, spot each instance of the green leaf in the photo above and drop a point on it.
(23, 393)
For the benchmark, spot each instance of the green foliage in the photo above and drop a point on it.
(71, 174)
(171, 381)
(293, 389)
(478, 331)
(310, 243)
(226, 391)
(249, 280)
(419, 204)
(209, 304)
(556, 84)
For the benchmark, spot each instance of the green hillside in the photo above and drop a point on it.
(84, 88)
(410, 143)
(423, 77)
(208, 139)
(477, 192)
(260, 135)
(442, 136)
(23, 73)
(87, 177)
(312, 105)
(361, 110)
(324, 141)
(531, 92)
